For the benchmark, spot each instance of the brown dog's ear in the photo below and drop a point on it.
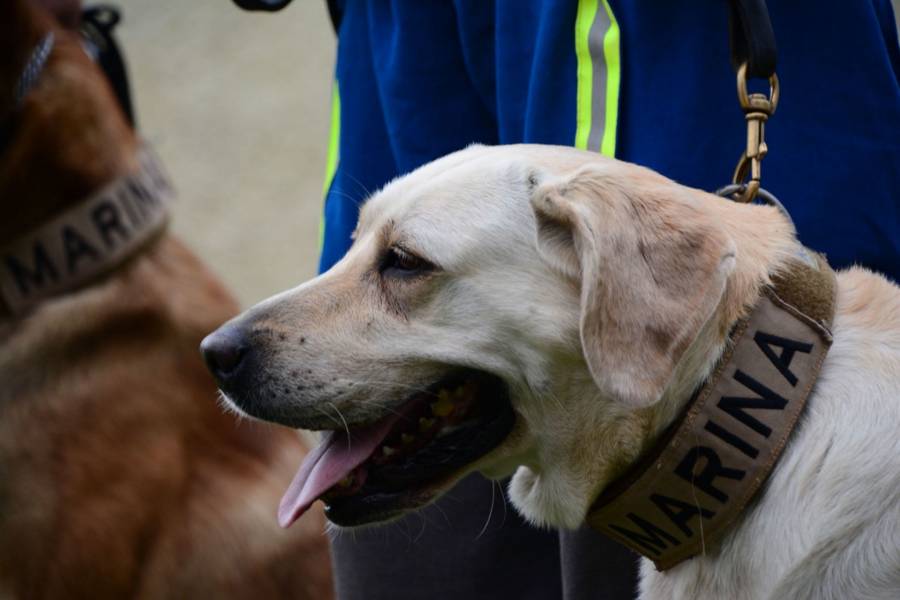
(652, 267)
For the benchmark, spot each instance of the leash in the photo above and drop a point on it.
(97, 25)
(753, 55)
(334, 10)
(752, 38)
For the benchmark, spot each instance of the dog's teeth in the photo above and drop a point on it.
(425, 424)
(388, 451)
(407, 439)
(445, 431)
(444, 405)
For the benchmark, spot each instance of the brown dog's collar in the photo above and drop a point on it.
(682, 498)
(87, 241)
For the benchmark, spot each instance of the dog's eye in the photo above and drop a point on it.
(398, 262)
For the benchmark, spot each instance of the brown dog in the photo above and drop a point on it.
(119, 475)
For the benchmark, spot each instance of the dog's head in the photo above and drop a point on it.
(67, 137)
(522, 308)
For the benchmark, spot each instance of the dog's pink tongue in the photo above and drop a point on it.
(329, 462)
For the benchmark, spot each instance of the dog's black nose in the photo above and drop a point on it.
(224, 351)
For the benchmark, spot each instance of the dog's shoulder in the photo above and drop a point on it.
(870, 302)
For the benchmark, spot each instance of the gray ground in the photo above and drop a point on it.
(238, 106)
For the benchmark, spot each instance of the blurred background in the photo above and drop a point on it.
(238, 106)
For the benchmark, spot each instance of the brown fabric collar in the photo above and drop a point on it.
(682, 498)
(87, 241)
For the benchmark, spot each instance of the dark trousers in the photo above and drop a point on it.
(472, 545)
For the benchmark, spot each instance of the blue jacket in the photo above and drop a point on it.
(420, 79)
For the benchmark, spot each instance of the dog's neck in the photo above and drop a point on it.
(87, 242)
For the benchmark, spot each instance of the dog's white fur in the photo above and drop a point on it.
(602, 294)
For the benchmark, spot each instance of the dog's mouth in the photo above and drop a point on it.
(402, 461)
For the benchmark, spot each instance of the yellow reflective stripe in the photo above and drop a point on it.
(598, 77)
(334, 144)
(587, 10)
(611, 45)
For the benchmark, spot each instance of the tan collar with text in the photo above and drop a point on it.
(87, 241)
(682, 498)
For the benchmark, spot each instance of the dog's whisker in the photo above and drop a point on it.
(394, 385)
(346, 195)
(346, 427)
(382, 406)
(424, 519)
(505, 502)
(330, 418)
(490, 513)
(406, 532)
(552, 396)
(332, 529)
(229, 407)
(359, 184)
(444, 514)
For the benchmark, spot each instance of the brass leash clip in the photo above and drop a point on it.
(757, 110)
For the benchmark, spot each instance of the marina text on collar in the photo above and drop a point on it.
(87, 241)
(682, 498)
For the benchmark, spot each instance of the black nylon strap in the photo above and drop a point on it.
(97, 25)
(263, 5)
(336, 13)
(334, 9)
(752, 38)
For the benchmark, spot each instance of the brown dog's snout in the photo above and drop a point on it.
(226, 352)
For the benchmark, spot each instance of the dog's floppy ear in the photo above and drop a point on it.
(652, 268)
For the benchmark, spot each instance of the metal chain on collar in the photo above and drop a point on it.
(734, 190)
(33, 68)
(757, 110)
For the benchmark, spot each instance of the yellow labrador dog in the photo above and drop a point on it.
(547, 313)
